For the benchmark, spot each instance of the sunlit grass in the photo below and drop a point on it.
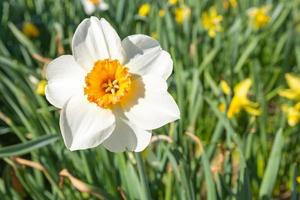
(204, 155)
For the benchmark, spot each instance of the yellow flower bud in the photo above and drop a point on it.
(41, 87)
(144, 9)
(30, 30)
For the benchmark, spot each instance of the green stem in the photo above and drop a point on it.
(143, 177)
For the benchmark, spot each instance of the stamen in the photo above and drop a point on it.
(111, 86)
(112, 91)
(115, 82)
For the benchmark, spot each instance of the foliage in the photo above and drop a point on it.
(204, 155)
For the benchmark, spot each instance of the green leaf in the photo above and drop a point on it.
(294, 195)
(244, 188)
(211, 191)
(209, 58)
(143, 177)
(246, 54)
(26, 147)
(271, 172)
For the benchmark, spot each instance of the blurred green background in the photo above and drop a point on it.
(204, 155)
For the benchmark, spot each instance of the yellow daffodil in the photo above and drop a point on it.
(225, 87)
(293, 92)
(240, 100)
(293, 113)
(172, 2)
(111, 92)
(161, 13)
(182, 13)
(298, 179)
(259, 16)
(144, 10)
(30, 30)
(211, 21)
(41, 86)
(229, 3)
(233, 3)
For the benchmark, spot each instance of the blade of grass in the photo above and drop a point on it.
(210, 186)
(27, 147)
(271, 171)
(143, 177)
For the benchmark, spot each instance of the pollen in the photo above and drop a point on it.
(107, 83)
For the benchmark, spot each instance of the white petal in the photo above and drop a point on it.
(94, 40)
(65, 78)
(85, 125)
(88, 7)
(127, 137)
(146, 56)
(103, 6)
(154, 106)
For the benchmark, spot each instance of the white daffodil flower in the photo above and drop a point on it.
(111, 92)
(90, 6)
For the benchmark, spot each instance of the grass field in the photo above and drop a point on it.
(225, 145)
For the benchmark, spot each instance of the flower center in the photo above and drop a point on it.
(111, 86)
(107, 83)
(95, 2)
